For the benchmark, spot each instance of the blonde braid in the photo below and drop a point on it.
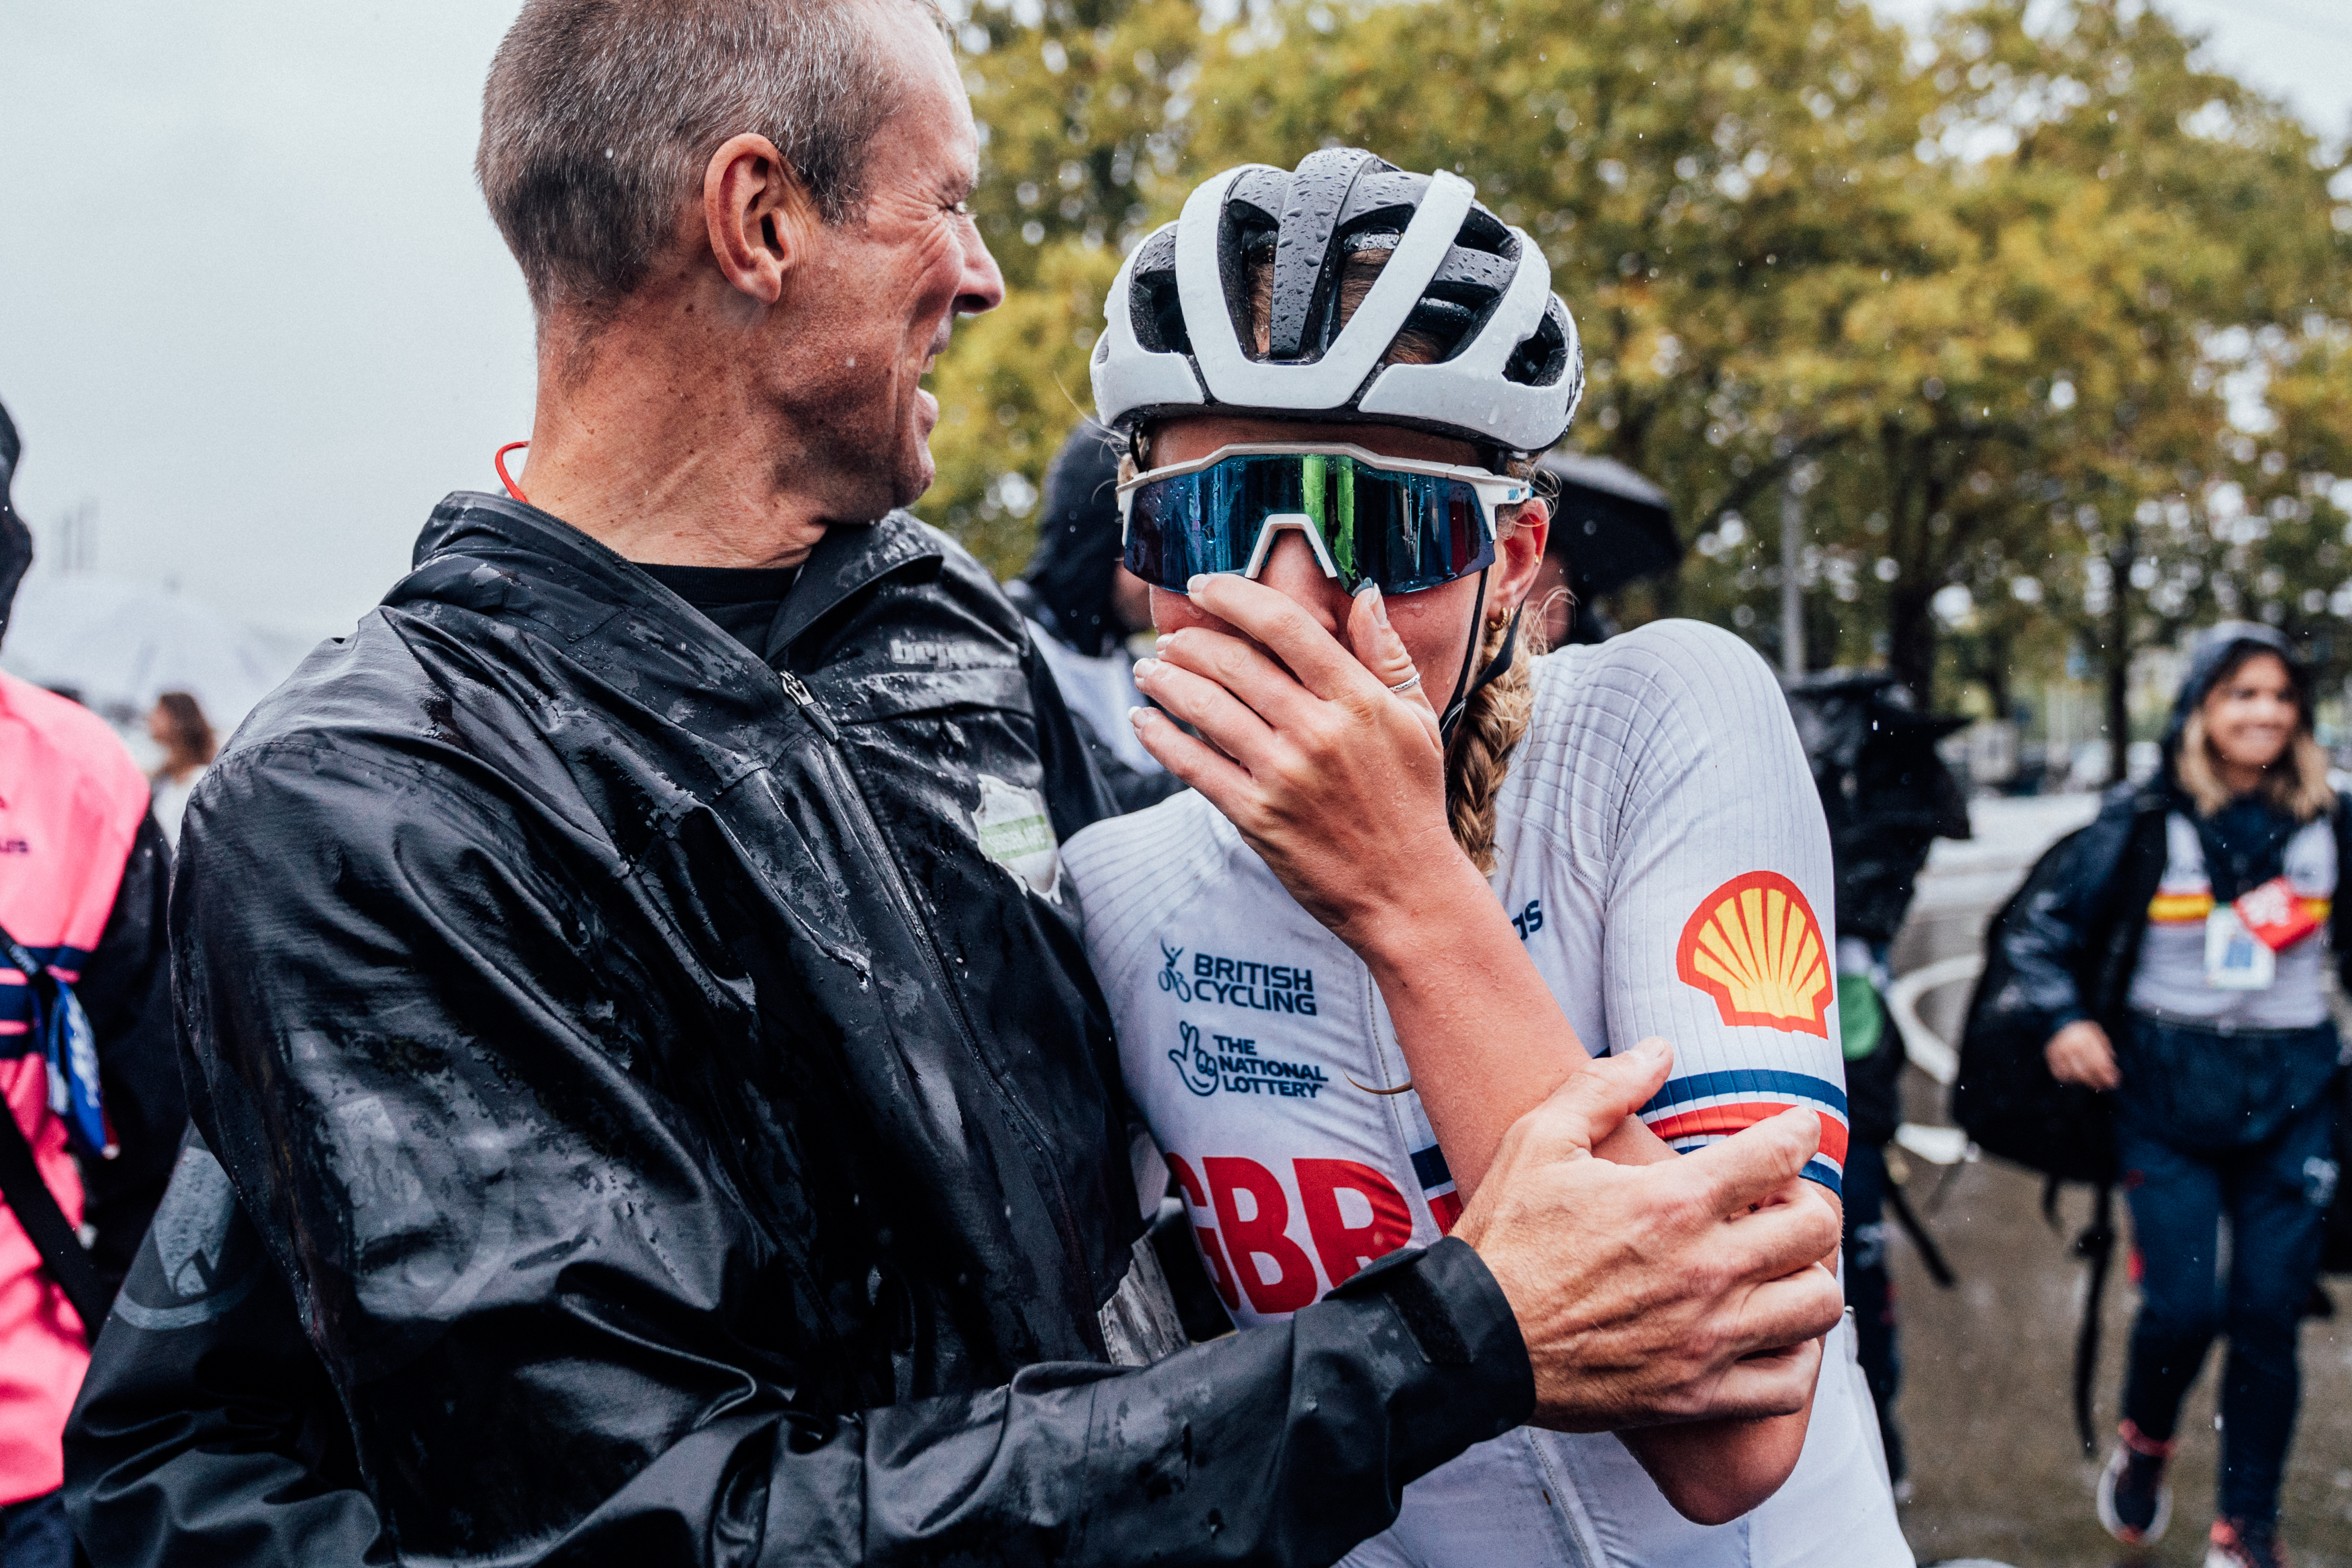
(1492, 723)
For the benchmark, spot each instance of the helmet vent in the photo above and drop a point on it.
(1301, 322)
(1542, 359)
(1157, 313)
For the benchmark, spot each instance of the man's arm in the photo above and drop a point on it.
(209, 1433)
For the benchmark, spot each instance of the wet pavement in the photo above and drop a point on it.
(1987, 1401)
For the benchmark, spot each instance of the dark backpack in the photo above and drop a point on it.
(2005, 1098)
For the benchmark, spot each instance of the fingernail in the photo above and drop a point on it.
(1371, 590)
(1651, 1050)
(1195, 583)
(1145, 669)
(1135, 716)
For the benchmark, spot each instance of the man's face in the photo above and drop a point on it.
(873, 306)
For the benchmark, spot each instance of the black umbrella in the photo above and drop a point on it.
(1611, 524)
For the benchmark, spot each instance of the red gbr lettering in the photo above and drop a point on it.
(1345, 1248)
(1260, 1235)
(1353, 1215)
(1205, 1235)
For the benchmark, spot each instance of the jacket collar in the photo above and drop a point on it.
(849, 558)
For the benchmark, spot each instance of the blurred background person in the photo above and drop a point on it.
(1887, 797)
(83, 877)
(2181, 956)
(177, 723)
(1083, 606)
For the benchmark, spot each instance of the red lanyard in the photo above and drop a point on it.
(498, 461)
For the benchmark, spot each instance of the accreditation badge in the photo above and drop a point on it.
(2235, 959)
(1017, 831)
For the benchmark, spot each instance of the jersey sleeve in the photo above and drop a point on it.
(1719, 891)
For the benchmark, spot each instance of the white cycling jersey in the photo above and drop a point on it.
(1661, 851)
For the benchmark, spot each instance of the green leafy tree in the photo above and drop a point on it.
(2219, 196)
(1990, 299)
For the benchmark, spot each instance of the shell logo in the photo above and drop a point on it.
(1754, 945)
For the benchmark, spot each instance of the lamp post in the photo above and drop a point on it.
(1792, 597)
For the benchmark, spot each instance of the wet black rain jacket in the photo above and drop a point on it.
(685, 1144)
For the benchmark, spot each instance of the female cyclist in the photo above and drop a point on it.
(2199, 906)
(1334, 383)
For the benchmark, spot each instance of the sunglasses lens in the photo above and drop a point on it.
(1404, 531)
(1416, 531)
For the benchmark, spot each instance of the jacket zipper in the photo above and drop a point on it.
(1066, 1213)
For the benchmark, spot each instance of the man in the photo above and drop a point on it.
(651, 1038)
(83, 874)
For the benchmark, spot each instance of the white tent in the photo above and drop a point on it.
(118, 644)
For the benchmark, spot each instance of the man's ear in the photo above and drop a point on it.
(757, 216)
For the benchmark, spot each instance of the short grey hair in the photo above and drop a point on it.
(600, 116)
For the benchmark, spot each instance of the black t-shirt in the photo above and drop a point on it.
(741, 601)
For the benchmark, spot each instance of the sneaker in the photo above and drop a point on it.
(2240, 1543)
(2135, 1505)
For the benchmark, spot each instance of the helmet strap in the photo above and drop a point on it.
(1462, 689)
(1486, 677)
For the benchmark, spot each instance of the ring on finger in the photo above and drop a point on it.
(1407, 684)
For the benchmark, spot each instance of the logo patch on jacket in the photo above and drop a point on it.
(196, 1262)
(1016, 832)
(1754, 945)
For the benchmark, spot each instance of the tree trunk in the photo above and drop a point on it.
(1911, 642)
(1994, 675)
(1914, 493)
(2119, 655)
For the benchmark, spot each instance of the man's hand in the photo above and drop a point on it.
(2081, 1054)
(1679, 1291)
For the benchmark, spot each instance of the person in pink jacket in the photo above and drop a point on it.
(83, 874)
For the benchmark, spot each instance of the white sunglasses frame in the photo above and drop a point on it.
(1493, 491)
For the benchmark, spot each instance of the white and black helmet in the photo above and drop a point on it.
(1180, 339)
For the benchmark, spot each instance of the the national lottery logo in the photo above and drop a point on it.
(1195, 1063)
(1211, 1062)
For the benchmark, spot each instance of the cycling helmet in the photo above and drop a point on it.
(1180, 339)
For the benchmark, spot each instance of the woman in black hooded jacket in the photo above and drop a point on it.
(2198, 906)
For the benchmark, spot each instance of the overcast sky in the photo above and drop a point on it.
(251, 309)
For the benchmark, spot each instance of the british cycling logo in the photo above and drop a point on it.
(1171, 981)
(1234, 1066)
(1239, 982)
